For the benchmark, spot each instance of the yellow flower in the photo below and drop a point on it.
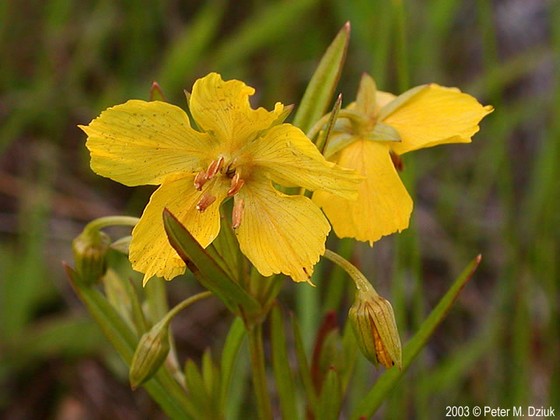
(236, 152)
(376, 129)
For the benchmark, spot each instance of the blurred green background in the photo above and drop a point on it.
(62, 62)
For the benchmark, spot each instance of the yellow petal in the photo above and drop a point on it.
(150, 251)
(281, 233)
(291, 159)
(383, 205)
(223, 109)
(435, 115)
(140, 142)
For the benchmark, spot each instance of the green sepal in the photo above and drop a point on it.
(400, 101)
(90, 249)
(383, 132)
(156, 93)
(322, 85)
(366, 99)
(209, 272)
(122, 245)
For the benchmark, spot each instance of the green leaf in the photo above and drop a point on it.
(303, 366)
(197, 392)
(322, 85)
(328, 405)
(375, 397)
(122, 295)
(163, 388)
(207, 270)
(229, 356)
(281, 366)
(325, 135)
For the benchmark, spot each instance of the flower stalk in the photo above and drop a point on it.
(154, 345)
(372, 319)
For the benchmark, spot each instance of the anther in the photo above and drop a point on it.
(237, 212)
(215, 167)
(205, 202)
(236, 184)
(200, 179)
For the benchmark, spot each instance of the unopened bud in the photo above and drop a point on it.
(375, 328)
(89, 249)
(150, 354)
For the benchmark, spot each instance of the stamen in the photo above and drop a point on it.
(236, 184)
(215, 167)
(237, 212)
(205, 201)
(200, 179)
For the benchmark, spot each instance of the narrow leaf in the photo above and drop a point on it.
(322, 85)
(230, 352)
(208, 272)
(328, 406)
(324, 136)
(303, 366)
(281, 366)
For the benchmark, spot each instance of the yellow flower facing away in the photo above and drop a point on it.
(375, 129)
(236, 152)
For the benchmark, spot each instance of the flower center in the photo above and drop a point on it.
(219, 171)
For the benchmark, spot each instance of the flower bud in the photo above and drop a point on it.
(373, 322)
(150, 354)
(89, 249)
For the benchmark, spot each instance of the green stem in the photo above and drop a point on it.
(107, 221)
(184, 304)
(362, 284)
(259, 372)
(172, 362)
